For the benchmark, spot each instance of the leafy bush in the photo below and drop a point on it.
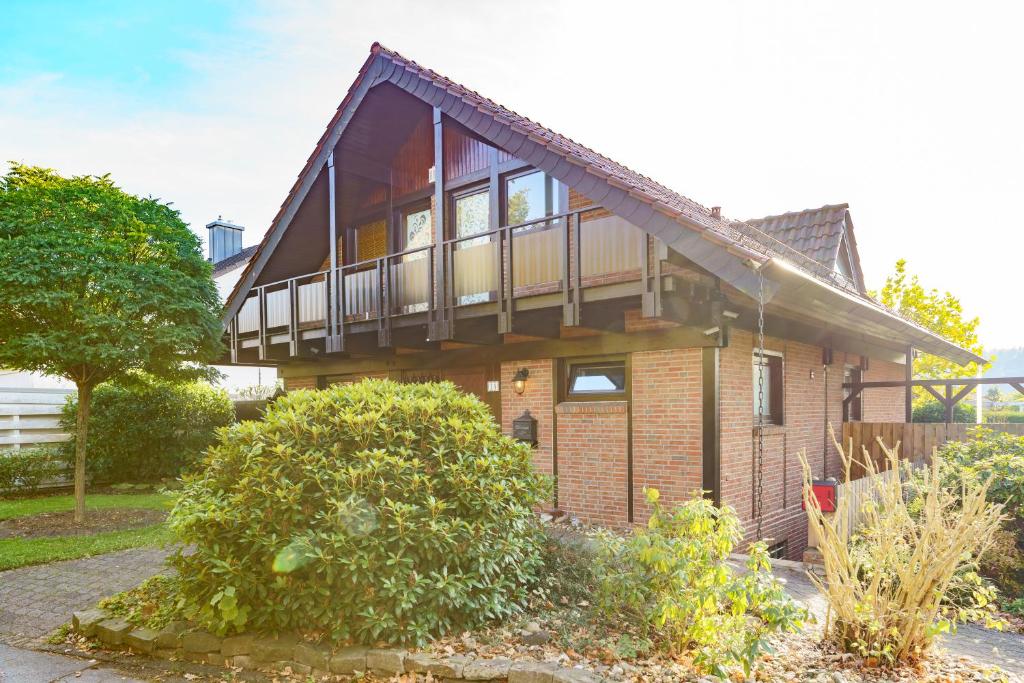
(930, 410)
(27, 468)
(144, 430)
(673, 579)
(1003, 416)
(997, 458)
(889, 588)
(370, 511)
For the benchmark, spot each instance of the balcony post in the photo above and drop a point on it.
(571, 272)
(440, 326)
(334, 342)
(908, 396)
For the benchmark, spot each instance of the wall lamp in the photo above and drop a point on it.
(519, 380)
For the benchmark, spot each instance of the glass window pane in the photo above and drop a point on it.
(605, 378)
(764, 408)
(472, 214)
(417, 229)
(526, 198)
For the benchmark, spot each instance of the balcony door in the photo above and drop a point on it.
(411, 275)
(476, 262)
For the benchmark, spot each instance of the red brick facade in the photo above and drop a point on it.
(659, 427)
(593, 449)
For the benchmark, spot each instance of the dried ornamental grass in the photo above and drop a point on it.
(885, 595)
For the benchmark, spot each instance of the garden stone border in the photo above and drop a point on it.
(277, 653)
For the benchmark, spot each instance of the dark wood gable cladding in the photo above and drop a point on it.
(386, 106)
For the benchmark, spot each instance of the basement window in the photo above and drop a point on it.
(778, 551)
(768, 403)
(590, 380)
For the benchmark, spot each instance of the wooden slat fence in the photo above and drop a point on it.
(29, 417)
(917, 439)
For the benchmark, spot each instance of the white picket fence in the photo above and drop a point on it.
(30, 417)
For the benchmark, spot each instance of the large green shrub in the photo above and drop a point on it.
(931, 410)
(25, 469)
(144, 430)
(370, 511)
(1003, 416)
(674, 581)
(998, 458)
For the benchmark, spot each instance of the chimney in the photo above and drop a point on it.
(716, 212)
(225, 239)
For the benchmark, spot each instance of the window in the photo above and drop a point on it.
(472, 214)
(370, 241)
(769, 409)
(530, 196)
(417, 227)
(590, 380)
(778, 551)
(855, 406)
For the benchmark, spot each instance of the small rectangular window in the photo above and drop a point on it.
(587, 380)
(778, 551)
(768, 389)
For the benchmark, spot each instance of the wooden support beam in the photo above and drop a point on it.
(931, 390)
(1018, 386)
(711, 426)
(440, 319)
(949, 404)
(908, 394)
(335, 340)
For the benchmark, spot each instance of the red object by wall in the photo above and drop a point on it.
(826, 493)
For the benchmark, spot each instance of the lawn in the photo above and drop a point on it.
(20, 552)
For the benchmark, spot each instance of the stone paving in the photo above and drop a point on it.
(1005, 650)
(36, 600)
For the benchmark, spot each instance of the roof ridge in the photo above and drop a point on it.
(843, 205)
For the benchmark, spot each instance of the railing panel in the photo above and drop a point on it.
(475, 273)
(609, 245)
(361, 293)
(279, 308)
(249, 316)
(411, 279)
(538, 254)
(312, 302)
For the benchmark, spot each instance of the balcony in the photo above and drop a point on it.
(530, 278)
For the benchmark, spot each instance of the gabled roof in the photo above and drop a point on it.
(231, 262)
(731, 250)
(818, 234)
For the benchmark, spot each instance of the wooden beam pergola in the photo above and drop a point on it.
(948, 397)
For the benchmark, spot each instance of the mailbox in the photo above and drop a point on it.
(524, 428)
(826, 493)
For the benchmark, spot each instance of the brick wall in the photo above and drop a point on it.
(538, 399)
(666, 425)
(592, 452)
(884, 405)
(299, 383)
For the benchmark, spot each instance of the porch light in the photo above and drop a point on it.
(519, 380)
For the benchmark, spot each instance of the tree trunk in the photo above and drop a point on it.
(81, 434)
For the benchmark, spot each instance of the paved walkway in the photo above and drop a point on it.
(1005, 650)
(36, 600)
(26, 666)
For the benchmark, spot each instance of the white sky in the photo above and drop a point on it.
(911, 112)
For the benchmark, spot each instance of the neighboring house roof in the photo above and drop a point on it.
(824, 234)
(231, 262)
(731, 250)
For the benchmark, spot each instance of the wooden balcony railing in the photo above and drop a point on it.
(561, 253)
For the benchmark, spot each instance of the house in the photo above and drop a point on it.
(608, 319)
(229, 258)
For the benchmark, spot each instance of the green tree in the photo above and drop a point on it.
(95, 283)
(940, 312)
